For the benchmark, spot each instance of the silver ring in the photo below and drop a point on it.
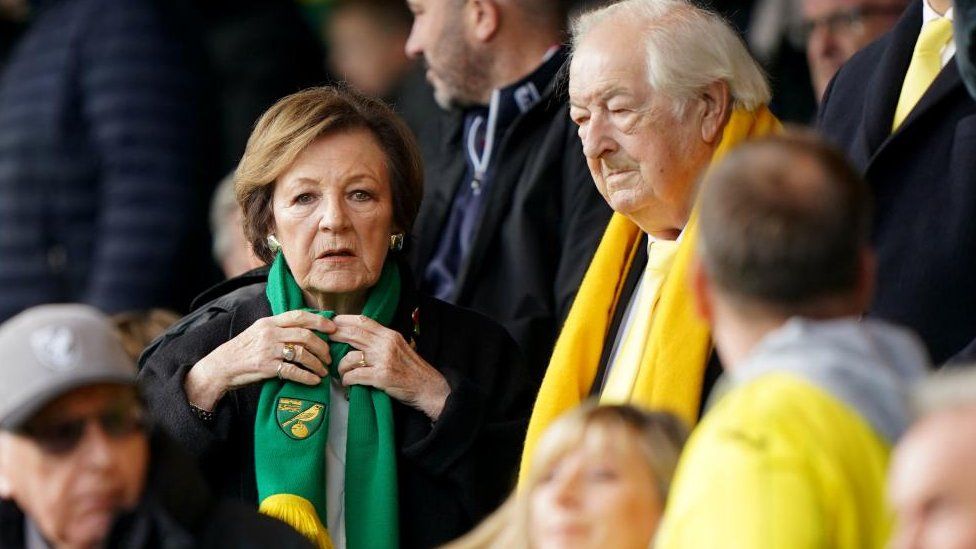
(278, 371)
(288, 352)
(362, 359)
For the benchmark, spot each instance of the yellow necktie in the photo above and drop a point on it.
(626, 364)
(924, 67)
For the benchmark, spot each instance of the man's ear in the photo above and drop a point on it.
(702, 291)
(868, 266)
(717, 107)
(484, 18)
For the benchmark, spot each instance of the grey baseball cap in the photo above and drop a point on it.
(49, 350)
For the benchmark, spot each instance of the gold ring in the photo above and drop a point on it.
(288, 352)
(362, 360)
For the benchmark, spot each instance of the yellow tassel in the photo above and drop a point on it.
(299, 513)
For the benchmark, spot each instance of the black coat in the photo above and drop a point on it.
(176, 511)
(542, 221)
(450, 475)
(923, 177)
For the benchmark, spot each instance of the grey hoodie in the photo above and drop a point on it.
(867, 364)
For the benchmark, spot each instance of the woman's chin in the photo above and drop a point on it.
(337, 281)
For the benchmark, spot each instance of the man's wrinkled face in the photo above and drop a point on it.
(78, 463)
(932, 483)
(640, 152)
(455, 67)
(837, 29)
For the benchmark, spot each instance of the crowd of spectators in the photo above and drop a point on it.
(487, 273)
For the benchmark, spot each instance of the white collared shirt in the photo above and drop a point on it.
(629, 312)
(929, 14)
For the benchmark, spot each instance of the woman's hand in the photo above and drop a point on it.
(390, 365)
(256, 354)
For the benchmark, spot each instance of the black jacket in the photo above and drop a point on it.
(450, 475)
(177, 511)
(923, 177)
(542, 221)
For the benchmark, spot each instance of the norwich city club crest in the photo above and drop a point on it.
(299, 418)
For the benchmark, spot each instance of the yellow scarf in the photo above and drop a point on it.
(679, 343)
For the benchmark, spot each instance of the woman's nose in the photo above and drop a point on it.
(566, 488)
(333, 215)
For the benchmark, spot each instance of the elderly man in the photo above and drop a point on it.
(931, 485)
(793, 453)
(78, 466)
(836, 29)
(509, 218)
(655, 104)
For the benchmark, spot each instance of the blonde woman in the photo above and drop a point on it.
(599, 479)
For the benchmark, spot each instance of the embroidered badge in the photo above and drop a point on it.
(299, 418)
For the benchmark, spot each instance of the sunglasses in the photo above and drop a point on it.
(61, 437)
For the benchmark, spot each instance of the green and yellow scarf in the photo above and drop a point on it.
(677, 348)
(292, 427)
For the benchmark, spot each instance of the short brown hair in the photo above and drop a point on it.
(784, 221)
(292, 124)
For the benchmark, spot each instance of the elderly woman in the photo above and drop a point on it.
(599, 479)
(331, 393)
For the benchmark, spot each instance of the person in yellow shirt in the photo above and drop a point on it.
(794, 451)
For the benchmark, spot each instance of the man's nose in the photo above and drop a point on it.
(414, 46)
(596, 136)
(96, 446)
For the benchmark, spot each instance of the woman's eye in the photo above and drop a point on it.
(603, 473)
(304, 198)
(360, 196)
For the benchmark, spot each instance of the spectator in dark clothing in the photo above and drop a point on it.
(76, 456)
(100, 155)
(510, 216)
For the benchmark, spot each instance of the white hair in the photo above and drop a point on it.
(687, 48)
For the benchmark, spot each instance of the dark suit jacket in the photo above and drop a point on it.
(541, 224)
(451, 474)
(923, 178)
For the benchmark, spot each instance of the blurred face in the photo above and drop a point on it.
(73, 491)
(365, 52)
(839, 28)
(595, 497)
(643, 158)
(239, 257)
(932, 484)
(455, 67)
(333, 214)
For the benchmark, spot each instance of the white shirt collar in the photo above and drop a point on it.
(929, 14)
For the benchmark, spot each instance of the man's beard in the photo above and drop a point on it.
(462, 75)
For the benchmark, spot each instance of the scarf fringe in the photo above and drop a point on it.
(299, 513)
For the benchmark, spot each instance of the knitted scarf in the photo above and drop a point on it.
(292, 427)
(678, 345)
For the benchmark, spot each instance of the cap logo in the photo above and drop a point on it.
(55, 347)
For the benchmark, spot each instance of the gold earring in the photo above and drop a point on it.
(396, 242)
(273, 243)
